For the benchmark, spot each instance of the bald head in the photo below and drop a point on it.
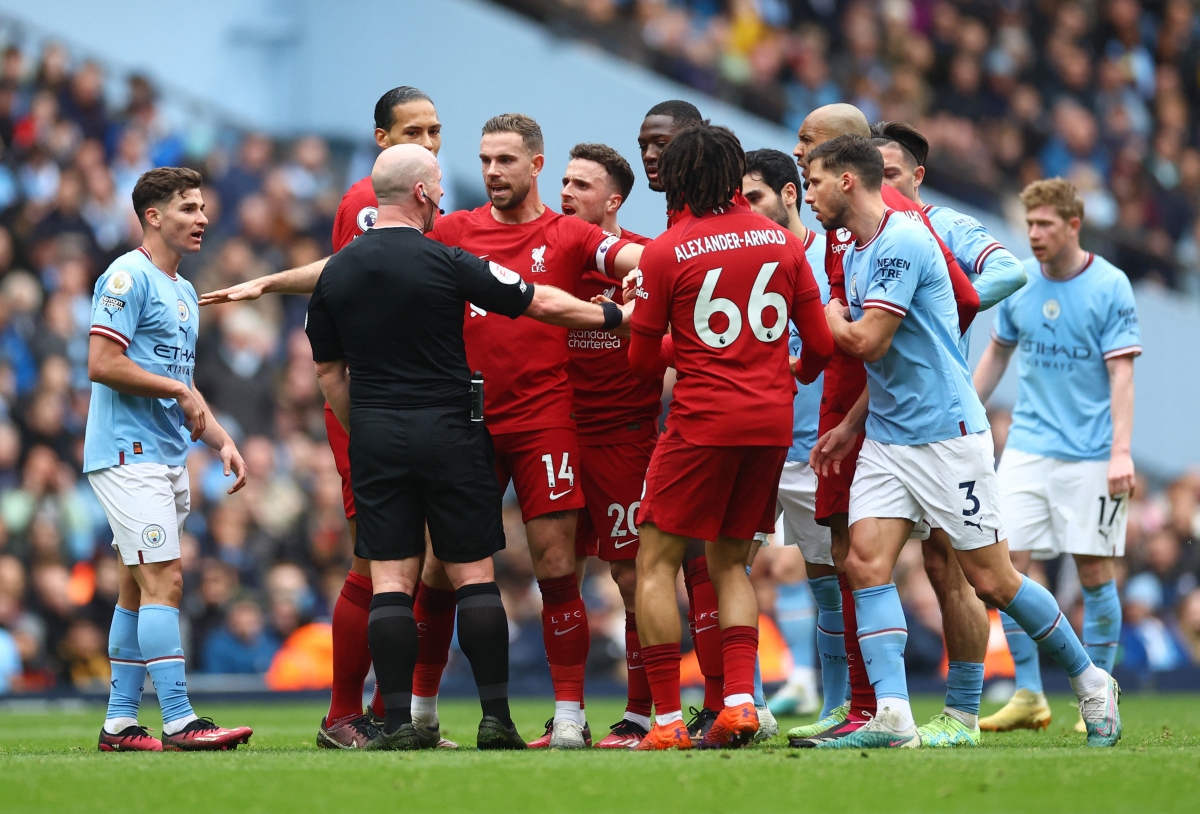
(840, 120)
(829, 122)
(398, 169)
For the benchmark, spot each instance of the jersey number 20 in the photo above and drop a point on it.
(760, 301)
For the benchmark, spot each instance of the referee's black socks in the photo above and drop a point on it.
(483, 637)
(392, 635)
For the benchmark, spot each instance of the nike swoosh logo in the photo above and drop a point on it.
(565, 632)
(702, 629)
(556, 496)
(622, 545)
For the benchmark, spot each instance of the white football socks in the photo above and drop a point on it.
(670, 718)
(902, 717)
(425, 708)
(568, 711)
(115, 726)
(1091, 681)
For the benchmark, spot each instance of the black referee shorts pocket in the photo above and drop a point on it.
(452, 446)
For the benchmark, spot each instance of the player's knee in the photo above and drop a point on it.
(624, 573)
(992, 589)
(863, 570)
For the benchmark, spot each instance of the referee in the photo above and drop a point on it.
(386, 327)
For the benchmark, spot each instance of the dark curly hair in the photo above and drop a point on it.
(702, 168)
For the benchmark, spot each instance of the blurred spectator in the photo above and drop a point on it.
(1147, 643)
(1005, 92)
(242, 644)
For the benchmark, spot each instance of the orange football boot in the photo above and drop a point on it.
(669, 736)
(734, 728)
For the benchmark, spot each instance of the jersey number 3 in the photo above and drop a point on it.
(760, 300)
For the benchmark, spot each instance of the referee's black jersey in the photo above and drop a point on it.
(391, 304)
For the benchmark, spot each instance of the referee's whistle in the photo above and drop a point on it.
(477, 396)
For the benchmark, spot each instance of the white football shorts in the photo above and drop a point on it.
(951, 483)
(1061, 507)
(796, 507)
(146, 505)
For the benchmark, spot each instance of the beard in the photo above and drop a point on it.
(516, 196)
(779, 213)
(835, 215)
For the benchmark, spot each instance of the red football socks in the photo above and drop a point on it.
(351, 653)
(566, 635)
(706, 631)
(739, 646)
(434, 613)
(640, 700)
(662, 673)
(862, 694)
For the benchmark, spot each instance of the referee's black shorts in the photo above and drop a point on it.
(412, 467)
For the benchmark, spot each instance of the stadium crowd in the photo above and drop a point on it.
(1105, 93)
(264, 565)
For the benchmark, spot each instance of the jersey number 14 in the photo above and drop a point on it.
(760, 301)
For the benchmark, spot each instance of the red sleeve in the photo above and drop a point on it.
(667, 351)
(600, 249)
(808, 315)
(644, 356)
(355, 214)
(964, 293)
(666, 357)
(445, 228)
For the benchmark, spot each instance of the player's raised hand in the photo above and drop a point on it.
(630, 284)
(1121, 476)
(831, 449)
(232, 460)
(194, 413)
(242, 292)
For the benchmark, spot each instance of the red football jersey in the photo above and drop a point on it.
(611, 404)
(524, 362)
(845, 377)
(726, 284)
(355, 214)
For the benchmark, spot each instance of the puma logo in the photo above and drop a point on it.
(976, 525)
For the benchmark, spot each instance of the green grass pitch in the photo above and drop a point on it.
(49, 763)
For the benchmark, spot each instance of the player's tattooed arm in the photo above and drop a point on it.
(300, 280)
(833, 447)
(868, 338)
(991, 367)
(108, 365)
(334, 380)
(1121, 476)
(216, 437)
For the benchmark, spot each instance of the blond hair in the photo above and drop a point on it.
(1054, 192)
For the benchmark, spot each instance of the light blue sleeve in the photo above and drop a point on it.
(1003, 330)
(1121, 335)
(117, 305)
(1001, 275)
(896, 269)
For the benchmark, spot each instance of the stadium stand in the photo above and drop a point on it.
(263, 567)
(1104, 94)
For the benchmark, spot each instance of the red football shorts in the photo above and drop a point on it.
(833, 490)
(704, 492)
(542, 465)
(612, 478)
(339, 442)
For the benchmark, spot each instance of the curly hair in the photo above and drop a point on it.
(702, 168)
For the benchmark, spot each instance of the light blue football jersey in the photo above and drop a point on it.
(806, 407)
(156, 319)
(972, 246)
(1065, 331)
(921, 390)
